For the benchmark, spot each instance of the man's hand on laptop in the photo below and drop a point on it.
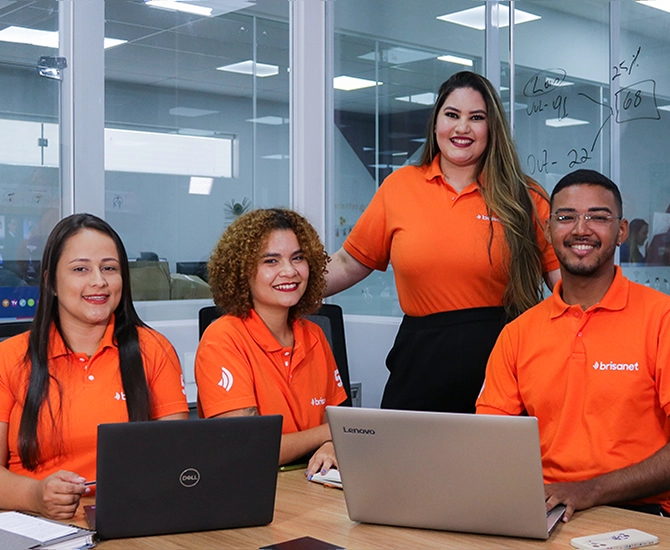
(576, 495)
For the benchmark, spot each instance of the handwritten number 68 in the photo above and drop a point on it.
(635, 100)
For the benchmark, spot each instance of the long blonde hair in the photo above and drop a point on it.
(506, 191)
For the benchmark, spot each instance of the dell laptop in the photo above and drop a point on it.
(185, 475)
(455, 472)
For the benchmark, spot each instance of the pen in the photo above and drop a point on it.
(289, 467)
(89, 483)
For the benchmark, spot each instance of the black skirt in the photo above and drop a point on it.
(438, 362)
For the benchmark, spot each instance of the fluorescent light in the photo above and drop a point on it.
(34, 37)
(427, 98)
(475, 18)
(663, 5)
(173, 5)
(200, 186)
(349, 83)
(664, 107)
(276, 156)
(455, 59)
(557, 82)
(271, 120)
(111, 42)
(563, 122)
(247, 67)
(190, 112)
(45, 39)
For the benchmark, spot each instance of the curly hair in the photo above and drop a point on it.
(235, 260)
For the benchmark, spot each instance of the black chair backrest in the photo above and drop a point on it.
(329, 318)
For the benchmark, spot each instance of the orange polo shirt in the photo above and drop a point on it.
(239, 364)
(437, 241)
(92, 394)
(598, 380)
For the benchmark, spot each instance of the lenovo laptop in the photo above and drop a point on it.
(456, 472)
(185, 475)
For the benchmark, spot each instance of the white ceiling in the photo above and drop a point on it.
(182, 51)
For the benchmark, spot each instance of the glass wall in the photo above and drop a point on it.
(590, 89)
(196, 132)
(640, 79)
(30, 190)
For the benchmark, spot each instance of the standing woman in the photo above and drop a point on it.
(463, 231)
(87, 359)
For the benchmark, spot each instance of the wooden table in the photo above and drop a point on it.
(309, 509)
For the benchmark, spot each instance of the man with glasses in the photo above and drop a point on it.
(591, 362)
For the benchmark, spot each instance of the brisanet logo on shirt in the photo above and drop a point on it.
(599, 365)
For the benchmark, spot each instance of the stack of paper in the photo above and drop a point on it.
(20, 531)
(331, 478)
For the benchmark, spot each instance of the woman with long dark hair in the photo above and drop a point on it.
(87, 359)
(464, 233)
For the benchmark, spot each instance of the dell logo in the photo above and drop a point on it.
(362, 431)
(189, 477)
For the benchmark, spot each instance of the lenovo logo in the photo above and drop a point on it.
(362, 431)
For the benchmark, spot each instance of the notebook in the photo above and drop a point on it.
(185, 475)
(456, 472)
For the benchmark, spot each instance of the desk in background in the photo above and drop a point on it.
(309, 509)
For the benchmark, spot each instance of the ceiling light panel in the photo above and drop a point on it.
(458, 60)
(44, 39)
(350, 83)
(184, 7)
(564, 122)
(475, 18)
(427, 98)
(262, 70)
(663, 5)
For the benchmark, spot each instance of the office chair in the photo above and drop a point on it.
(329, 318)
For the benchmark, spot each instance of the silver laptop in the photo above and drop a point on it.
(185, 475)
(456, 472)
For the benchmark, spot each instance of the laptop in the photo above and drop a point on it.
(455, 472)
(180, 476)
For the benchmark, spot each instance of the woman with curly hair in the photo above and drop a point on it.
(266, 273)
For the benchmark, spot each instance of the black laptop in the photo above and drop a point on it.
(181, 476)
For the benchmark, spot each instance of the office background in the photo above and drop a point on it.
(170, 124)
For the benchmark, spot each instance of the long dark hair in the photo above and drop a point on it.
(37, 356)
(506, 191)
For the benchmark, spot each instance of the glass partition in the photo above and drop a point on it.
(30, 189)
(641, 84)
(197, 133)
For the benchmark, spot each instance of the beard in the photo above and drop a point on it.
(586, 268)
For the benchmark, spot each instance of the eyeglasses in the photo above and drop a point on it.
(593, 219)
